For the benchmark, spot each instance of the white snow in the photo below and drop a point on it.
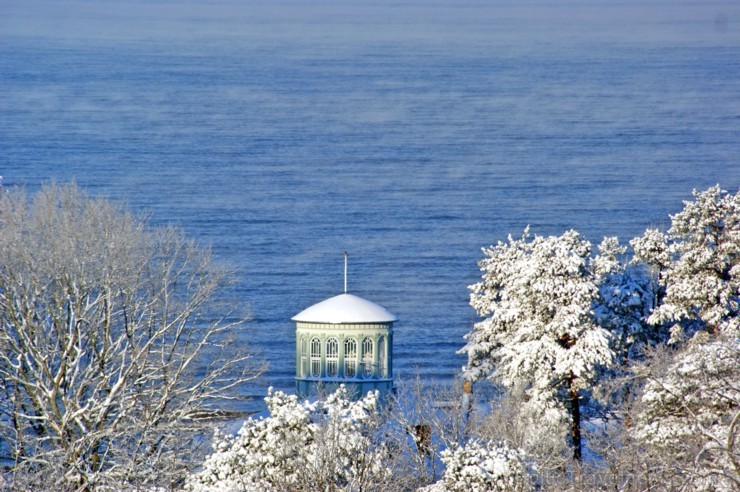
(345, 308)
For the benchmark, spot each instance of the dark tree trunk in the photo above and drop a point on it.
(575, 414)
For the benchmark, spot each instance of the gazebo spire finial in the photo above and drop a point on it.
(345, 272)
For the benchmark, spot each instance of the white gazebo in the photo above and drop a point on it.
(344, 340)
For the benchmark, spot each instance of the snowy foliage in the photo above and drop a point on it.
(538, 297)
(699, 262)
(652, 247)
(302, 445)
(690, 412)
(626, 298)
(481, 467)
(539, 333)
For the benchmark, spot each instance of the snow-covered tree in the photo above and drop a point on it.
(329, 444)
(539, 332)
(104, 330)
(484, 467)
(684, 414)
(699, 264)
(688, 411)
(689, 415)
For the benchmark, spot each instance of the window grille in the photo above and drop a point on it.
(315, 357)
(350, 358)
(367, 357)
(332, 357)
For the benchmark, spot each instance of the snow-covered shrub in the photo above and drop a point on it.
(504, 423)
(689, 414)
(302, 445)
(484, 467)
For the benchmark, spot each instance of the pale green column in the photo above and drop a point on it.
(376, 366)
(389, 354)
(298, 355)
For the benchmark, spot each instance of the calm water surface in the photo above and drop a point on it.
(409, 134)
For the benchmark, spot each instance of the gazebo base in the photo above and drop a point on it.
(313, 387)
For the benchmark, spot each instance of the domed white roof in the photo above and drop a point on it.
(345, 308)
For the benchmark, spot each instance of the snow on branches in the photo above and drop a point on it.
(481, 467)
(538, 296)
(106, 330)
(690, 411)
(698, 262)
(626, 297)
(539, 332)
(302, 445)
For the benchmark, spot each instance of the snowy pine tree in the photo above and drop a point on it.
(539, 332)
(699, 264)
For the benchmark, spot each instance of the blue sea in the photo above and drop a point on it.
(408, 133)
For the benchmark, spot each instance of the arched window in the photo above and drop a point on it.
(350, 358)
(304, 358)
(367, 358)
(383, 363)
(332, 357)
(315, 357)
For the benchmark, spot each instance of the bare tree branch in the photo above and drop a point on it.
(105, 327)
